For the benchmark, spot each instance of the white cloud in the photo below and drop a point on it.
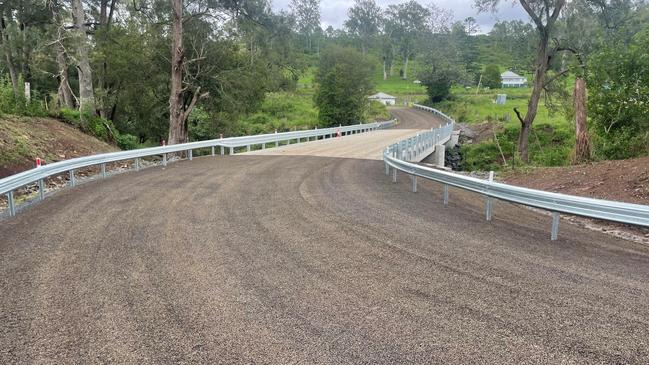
(334, 12)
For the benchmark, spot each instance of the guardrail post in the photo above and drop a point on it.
(73, 181)
(488, 207)
(103, 169)
(213, 152)
(231, 150)
(41, 189)
(248, 148)
(555, 226)
(414, 183)
(191, 155)
(12, 203)
(445, 194)
(222, 150)
(263, 146)
(137, 164)
(164, 159)
(394, 175)
(387, 169)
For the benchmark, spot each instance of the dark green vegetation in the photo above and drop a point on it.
(345, 79)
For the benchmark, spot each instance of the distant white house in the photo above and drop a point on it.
(383, 98)
(510, 79)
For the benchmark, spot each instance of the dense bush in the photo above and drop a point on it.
(491, 77)
(619, 99)
(18, 104)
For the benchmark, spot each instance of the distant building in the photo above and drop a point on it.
(383, 98)
(510, 79)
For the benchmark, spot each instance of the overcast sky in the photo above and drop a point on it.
(334, 12)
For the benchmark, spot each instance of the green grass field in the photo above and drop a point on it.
(551, 141)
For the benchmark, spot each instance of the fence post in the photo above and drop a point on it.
(555, 226)
(488, 208)
(41, 189)
(12, 203)
(445, 194)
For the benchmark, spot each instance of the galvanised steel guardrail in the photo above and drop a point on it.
(398, 155)
(38, 175)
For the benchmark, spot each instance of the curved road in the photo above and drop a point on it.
(309, 260)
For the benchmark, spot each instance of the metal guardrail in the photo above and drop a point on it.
(38, 175)
(398, 155)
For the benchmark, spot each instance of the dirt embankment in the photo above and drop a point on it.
(23, 139)
(622, 180)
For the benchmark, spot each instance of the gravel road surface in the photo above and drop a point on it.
(309, 260)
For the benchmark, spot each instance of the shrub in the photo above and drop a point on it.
(127, 141)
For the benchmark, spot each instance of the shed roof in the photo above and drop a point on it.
(381, 95)
(509, 74)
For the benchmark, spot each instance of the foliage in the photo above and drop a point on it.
(344, 82)
(11, 103)
(438, 78)
(619, 98)
(491, 77)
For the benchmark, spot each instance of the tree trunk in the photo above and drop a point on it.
(66, 99)
(177, 131)
(582, 143)
(405, 67)
(6, 47)
(541, 66)
(86, 91)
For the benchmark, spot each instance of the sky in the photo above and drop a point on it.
(334, 12)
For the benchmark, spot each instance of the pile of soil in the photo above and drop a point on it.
(622, 180)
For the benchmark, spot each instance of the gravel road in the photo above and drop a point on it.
(309, 260)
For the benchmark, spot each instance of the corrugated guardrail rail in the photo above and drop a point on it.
(398, 155)
(38, 175)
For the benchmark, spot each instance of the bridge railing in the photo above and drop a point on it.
(225, 145)
(398, 157)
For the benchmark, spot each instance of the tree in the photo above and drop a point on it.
(344, 82)
(544, 14)
(179, 110)
(86, 90)
(491, 77)
(439, 75)
(406, 23)
(307, 16)
(364, 19)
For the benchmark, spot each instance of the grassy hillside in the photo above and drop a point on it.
(23, 139)
(551, 141)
